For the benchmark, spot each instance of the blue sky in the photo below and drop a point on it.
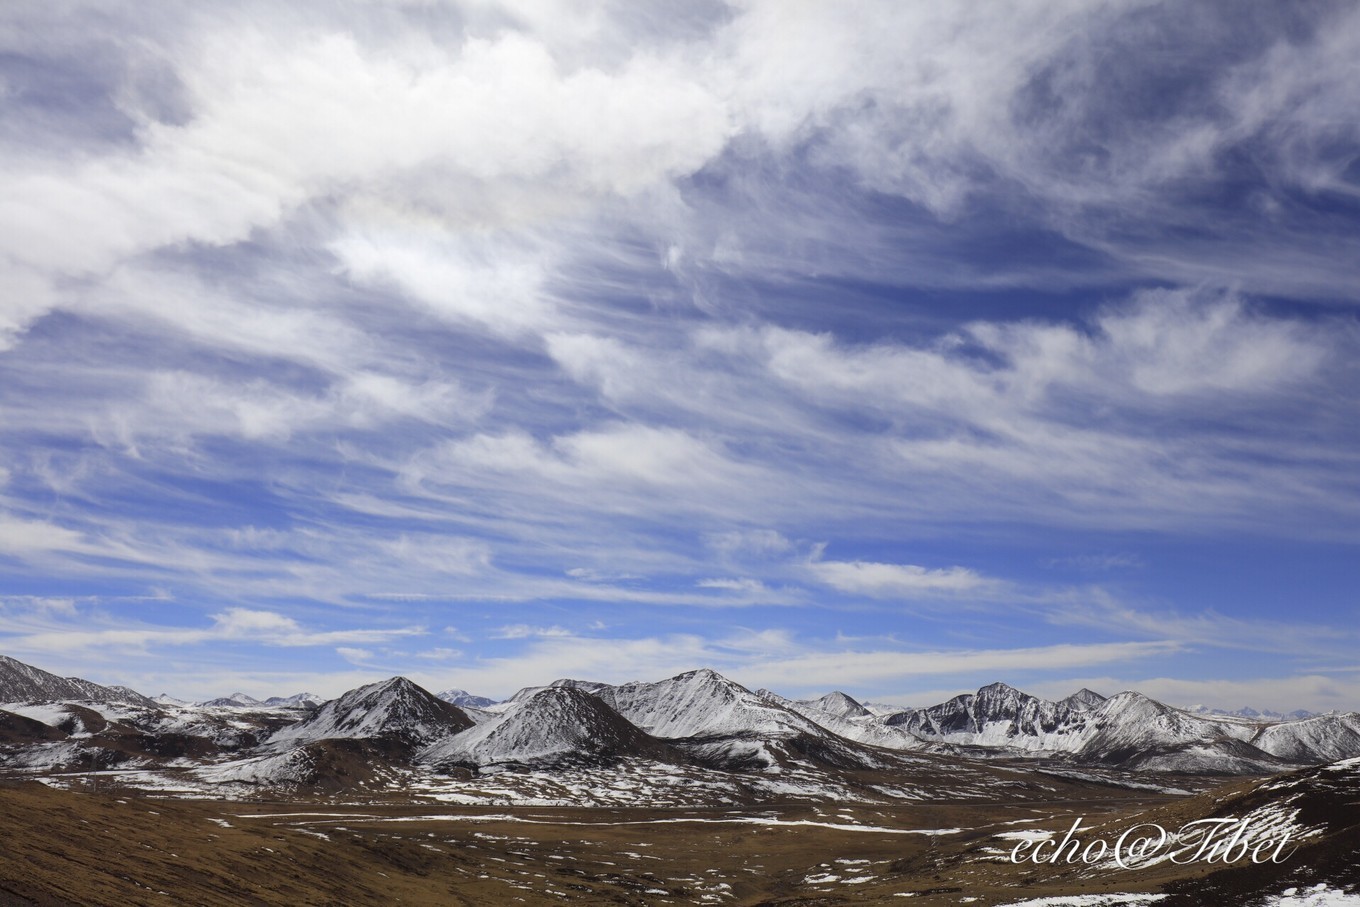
(896, 348)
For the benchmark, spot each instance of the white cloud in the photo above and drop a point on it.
(439, 554)
(616, 458)
(524, 631)
(1208, 628)
(762, 543)
(440, 654)
(19, 536)
(591, 575)
(1158, 344)
(354, 656)
(898, 580)
(183, 405)
(484, 283)
(279, 119)
(1108, 560)
(551, 299)
(98, 634)
(247, 622)
(733, 584)
(619, 371)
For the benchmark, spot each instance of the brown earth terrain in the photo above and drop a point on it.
(116, 847)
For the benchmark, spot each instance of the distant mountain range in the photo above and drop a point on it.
(464, 698)
(695, 722)
(244, 701)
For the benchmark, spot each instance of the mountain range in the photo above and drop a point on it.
(693, 723)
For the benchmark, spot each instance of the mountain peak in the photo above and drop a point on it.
(1083, 700)
(395, 709)
(464, 699)
(21, 682)
(556, 724)
(998, 687)
(700, 674)
(842, 704)
(701, 703)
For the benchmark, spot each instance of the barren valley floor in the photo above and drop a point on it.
(117, 847)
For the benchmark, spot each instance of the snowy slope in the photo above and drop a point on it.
(235, 700)
(555, 724)
(1083, 700)
(394, 709)
(24, 730)
(297, 700)
(1322, 737)
(866, 728)
(1129, 730)
(998, 716)
(464, 699)
(708, 719)
(838, 703)
(1137, 732)
(703, 703)
(1317, 810)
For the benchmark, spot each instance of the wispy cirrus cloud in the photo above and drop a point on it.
(45, 634)
(409, 312)
(899, 580)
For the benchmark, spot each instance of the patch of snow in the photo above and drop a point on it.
(1320, 895)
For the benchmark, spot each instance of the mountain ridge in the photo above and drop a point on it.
(696, 717)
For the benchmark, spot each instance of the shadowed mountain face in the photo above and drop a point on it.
(24, 683)
(1320, 810)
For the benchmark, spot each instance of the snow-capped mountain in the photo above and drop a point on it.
(1129, 730)
(234, 701)
(702, 703)
(997, 716)
(838, 703)
(527, 693)
(246, 701)
(1250, 713)
(20, 682)
(1319, 738)
(698, 720)
(1083, 700)
(464, 699)
(297, 700)
(1134, 731)
(720, 723)
(555, 724)
(867, 728)
(395, 710)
